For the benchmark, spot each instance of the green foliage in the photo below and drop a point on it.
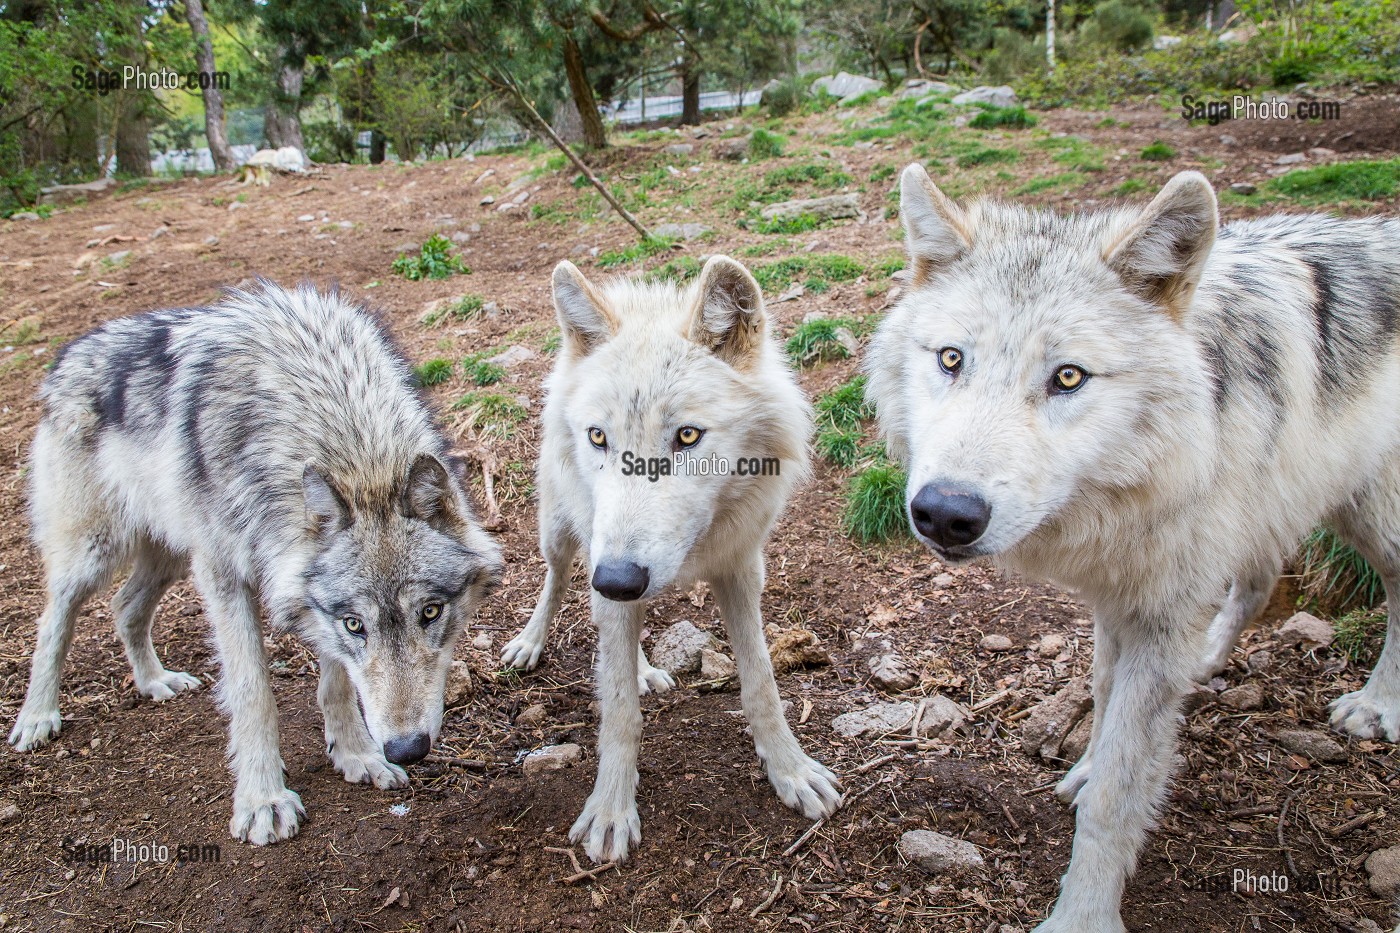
(889, 265)
(874, 510)
(1158, 151)
(1065, 181)
(434, 261)
(785, 97)
(833, 267)
(839, 448)
(802, 223)
(818, 341)
(882, 173)
(463, 309)
(1332, 42)
(1118, 26)
(1013, 117)
(433, 372)
(1334, 578)
(1340, 181)
(765, 145)
(1360, 634)
(635, 252)
(490, 412)
(988, 155)
(681, 269)
(479, 371)
(1130, 186)
(845, 407)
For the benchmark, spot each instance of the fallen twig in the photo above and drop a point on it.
(768, 901)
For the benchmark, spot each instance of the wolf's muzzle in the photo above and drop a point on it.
(949, 516)
(621, 580)
(409, 749)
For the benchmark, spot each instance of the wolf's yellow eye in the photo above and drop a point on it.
(951, 359)
(431, 612)
(1069, 378)
(353, 624)
(597, 438)
(688, 436)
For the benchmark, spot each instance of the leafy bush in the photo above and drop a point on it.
(765, 145)
(434, 261)
(1123, 27)
(1158, 151)
(785, 96)
(433, 372)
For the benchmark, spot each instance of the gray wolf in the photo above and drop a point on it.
(651, 374)
(1145, 408)
(274, 446)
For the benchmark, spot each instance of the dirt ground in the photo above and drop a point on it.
(478, 845)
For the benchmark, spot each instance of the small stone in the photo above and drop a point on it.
(1245, 697)
(880, 719)
(1293, 158)
(1228, 140)
(9, 813)
(1321, 152)
(1259, 661)
(716, 665)
(689, 231)
(1044, 731)
(459, 684)
(995, 643)
(679, 648)
(942, 716)
(1306, 630)
(306, 218)
(1383, 866)
(532, 715)
(552, 758)
(24, 215)
(1077, 742)
(831, 207)
(512, 355)
(847, 339)
(487, 200)
(1312, 745)
(1051, 645)
(679, 149)
(119, 257)
(1243, 187)
(888, 671)
(732, 150)
(1001, 96)
(939, 854)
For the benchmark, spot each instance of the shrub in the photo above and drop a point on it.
(434, 261)
(765, 145)
(432, 372)
(1158, 151)
(875, 504)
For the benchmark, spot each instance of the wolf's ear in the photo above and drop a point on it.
(326, 511)
(728, 316)
(1161, 254)
(936, 231)
(430, 493)
(584, 317)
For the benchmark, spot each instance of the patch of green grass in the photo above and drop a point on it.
(555, 212)
(1065, 181)
(802, 223)
(889, 265)
(819, 174)
(433, 372)
(844, 407)
(881, 173)
(1335, 578)
(681, 269)
(765, 145)
(1108, 123)
(1131, 186)
(1342, 181)
(831, 267)
(45, 211)
(1360, 635)
(839, 448)
(1013, 117)
(434, 261)
(906, 120)
(463, 309)
(478, 370)
(636, 251)
(875, 504)
(1158, 151)
(987, 155)
(491, 412)
(551, 342)
(818, 341)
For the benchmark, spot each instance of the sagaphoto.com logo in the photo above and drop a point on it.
(1244, 107)
(133, 852)
(685, 463)
(131, 78)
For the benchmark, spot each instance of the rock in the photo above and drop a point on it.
(1260, 661)
(1051, 645)
(24, 215)
(679, 648)
(1383, 866)
(888, 672)
(305, 218)
(459, 684)
(942, 716)
(716, 665)
(461, 236)
(679, 149)
(512, 355)
(1000, 96)
(487, 200)
(845, 86)
(1227, 140)
(916, 88)
(1243, 187)
(532, 715)
(681, 231)
(1293, 158)
(794, 649)
(482, 642)
(9, 813)
(1305, 629)
(732, 150)
(831, 207)
(1050, 722)
(1313, 745)
(1321, 152)
(287, 159)
(1077, 742)
(848, 340)
(67, 194)
(939, 854)
(552, 758)
(995, 643)
(119, 257)
(1245, 697)
(880, 719)
(1162, 43)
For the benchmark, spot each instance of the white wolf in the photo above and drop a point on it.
(1145, 409)
(662, 413)
(275, 446)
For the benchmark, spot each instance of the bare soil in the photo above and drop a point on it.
(475, 849)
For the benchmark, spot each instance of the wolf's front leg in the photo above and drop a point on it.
(1131, 764)
(264, 808)
(353, 751)
(558, 545)
(609, 825)
(801, 782)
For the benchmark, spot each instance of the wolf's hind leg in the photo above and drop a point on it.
(1372, 525)
(1249, 594)
(77, 568)
(348, 742)
(154, 570)
(559, 547)
(801, 782)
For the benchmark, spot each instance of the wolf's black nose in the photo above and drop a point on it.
(949, 516)
(621, 580)
(408, 750)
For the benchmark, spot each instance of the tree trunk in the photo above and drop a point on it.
(376, 147)
(214, 128)
(595, 135)
(282, 119)
(690, 94)
(134, 138)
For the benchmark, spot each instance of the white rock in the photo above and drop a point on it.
(1293, 158)
(1161, 43)
(942, 716)
(716, 665)
(995, 643)
(681, 231)
(915, 89)
(880, 719)
(487, 200)
(831, 207)
(1306, 629)
(679, 149)
(680, 647)
(1051, 645)
(1383, 866)
(1045, 729)
(459, 684)
(939, 854)
(482, 642)
(845, 86)
(888, 671)
(552, 758)
(512, 355)
(1000, 96)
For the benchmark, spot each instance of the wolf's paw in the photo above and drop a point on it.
(522, 652)
(263, 821)
(653, 680)
(607, 830)
(166, 684)
(368, 768)
(1361, 715)
(34, 728)
(807, 786)
(1054, 924)
(1074, 780)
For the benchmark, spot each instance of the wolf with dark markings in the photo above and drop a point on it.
(274, 446)
(1151, 411)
